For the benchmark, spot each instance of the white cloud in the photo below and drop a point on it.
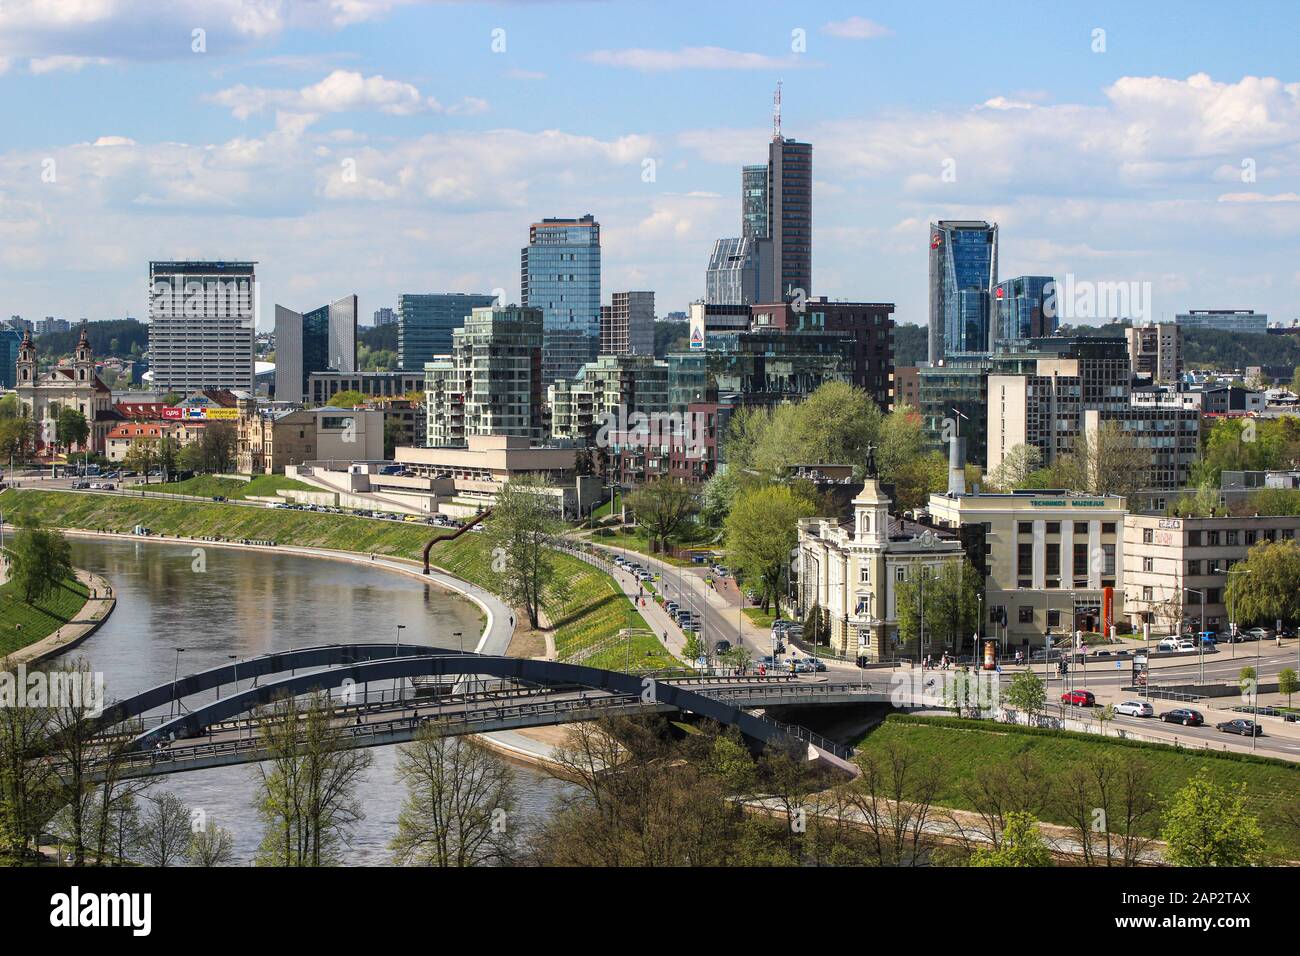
(341, 91)
(1002, 103)
(689, 58)
(1259, 197)
(856, 28)
(72, 64)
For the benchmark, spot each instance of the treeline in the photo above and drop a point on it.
(115, 338)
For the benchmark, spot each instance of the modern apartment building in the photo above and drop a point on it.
(789, 215)
(608, 393)
(322, 386)
(321, 340)
(627, 325)
(202, 325)
(1051, 560)
(1025, 308)
(560, 275)
(491, 383)
(1172, 564)
(425, 322)
(384, 316)
(1156, 350)
(1225, 320)
(907, 386)
(963, 272)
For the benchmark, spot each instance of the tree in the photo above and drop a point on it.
(211, 845)
(895, 797)
(716, 497)
(1016, 469)
(1022, 845)
(1288, 682)
(164, 835)
(308, 782)
(141, 456)
(1269, 591)
(10, 407)
(1110, 804)
(1208, 825)
(950, 597)
(459, 799)
(761, 531)
(1026, 693)
(16, 436)
(524, 527)
(217, 447)
(349, 398)
(42, 562)
(1105, 462)
(663, 507)
(70, 428)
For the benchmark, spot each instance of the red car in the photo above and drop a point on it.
(1079, 698)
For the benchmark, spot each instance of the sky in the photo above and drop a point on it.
(386, 146)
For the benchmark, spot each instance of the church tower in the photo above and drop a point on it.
(83, 363)
(871, 514)
(26, 365)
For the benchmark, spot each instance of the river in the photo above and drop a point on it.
(249, 603)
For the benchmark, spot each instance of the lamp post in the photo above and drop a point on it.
(397, 644)
(1200, 638)
(1232, 619)
(176, 672)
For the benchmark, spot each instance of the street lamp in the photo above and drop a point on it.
(1232, 619)
(1200, 638)
(176, 672)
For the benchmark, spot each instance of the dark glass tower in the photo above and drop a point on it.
(789, 215)
(963, 271)
(1018, 304)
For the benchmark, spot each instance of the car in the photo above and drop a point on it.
(1227, 637)
(722, 647)
(1259, 633)
(1247, 728)
(767, 660)
(218, 497)
(1078, 698)
(1135, 708)
(809, 665)
(1185, 646)
(671, 606)
(1185, 716)
(1168, 646)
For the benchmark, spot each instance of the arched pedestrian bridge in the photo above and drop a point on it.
(383, 693)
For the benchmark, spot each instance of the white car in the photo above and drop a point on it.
(1168, 645)
(1135, 708)
(1186, 647)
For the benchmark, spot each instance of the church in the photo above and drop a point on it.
(76, 386)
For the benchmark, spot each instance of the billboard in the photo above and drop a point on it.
(199, 413)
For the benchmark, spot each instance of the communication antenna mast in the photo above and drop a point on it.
(776, 112)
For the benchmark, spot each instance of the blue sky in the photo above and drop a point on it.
(379, 146)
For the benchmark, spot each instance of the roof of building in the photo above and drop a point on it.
(132, 430)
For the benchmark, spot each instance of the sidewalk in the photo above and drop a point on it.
(92, 614)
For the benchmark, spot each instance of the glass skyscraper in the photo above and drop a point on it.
(321, 340)
(426, 321)
(753, 201)
(1018, 303)
(963, 271)
(560, 275)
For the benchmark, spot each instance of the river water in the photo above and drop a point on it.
(249, 603)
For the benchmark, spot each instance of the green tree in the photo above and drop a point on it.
(16, 436)
(950, 597)
(141, 456)
(663, 506)
(1016, 469)
(1208, 825)
(346, 399)
(1288, 682)
(70, 428)
(1022, 845)
(761, 531)
(1026, 693)
(42, 562)
(10, 407)
(524, 527)
(1269, 591)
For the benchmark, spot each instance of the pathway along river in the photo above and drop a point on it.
(249, 603)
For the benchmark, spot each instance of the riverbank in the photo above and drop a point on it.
(97, 605)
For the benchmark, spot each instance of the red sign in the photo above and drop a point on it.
(173, 413)
(999, 292)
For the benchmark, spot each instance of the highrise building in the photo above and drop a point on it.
(202, 325)
(1156, 350)
(607, 391)
(384, 316)
(1025, 308)
(740, 272)
(1224, 320)
(789, 215)
(11, 341)
(753, 202)
(963, 271)
(627, 325)
(560, 275)
(491, 383)
(425, 323)
(324, 339)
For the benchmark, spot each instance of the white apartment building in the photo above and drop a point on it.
(202, 325)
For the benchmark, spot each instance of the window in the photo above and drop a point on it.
(1148, 536)
(1193, 568)
(1250, 537)
(1193, 539)
(1024, 527)
(1053, 527)
(1212, 539)
(1025, 614)
(1025, 564)
(1231, 537)
(900, 574)
(1108, 527)
(864, 576)
(1148, 564)
(1053, 618)
(1147, 594)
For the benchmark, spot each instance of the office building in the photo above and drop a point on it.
(1172, 564)
(627, 325)
(11, 341)
(1156, 351)
(491, 383)
(50, 325)
(739, 272)
(1051, 560)
(789, 215)
(202, 325)
(1225, 320)
(1025, 307)
(963, 272)
(560, 276)
(753, 202)
(270, 440)
(907, 386)
(322, 386)
(384, 316)
(323, 339)
(426, 321)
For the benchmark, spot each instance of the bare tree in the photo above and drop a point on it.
(164, 833)
(211, 845)
(895, 798)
